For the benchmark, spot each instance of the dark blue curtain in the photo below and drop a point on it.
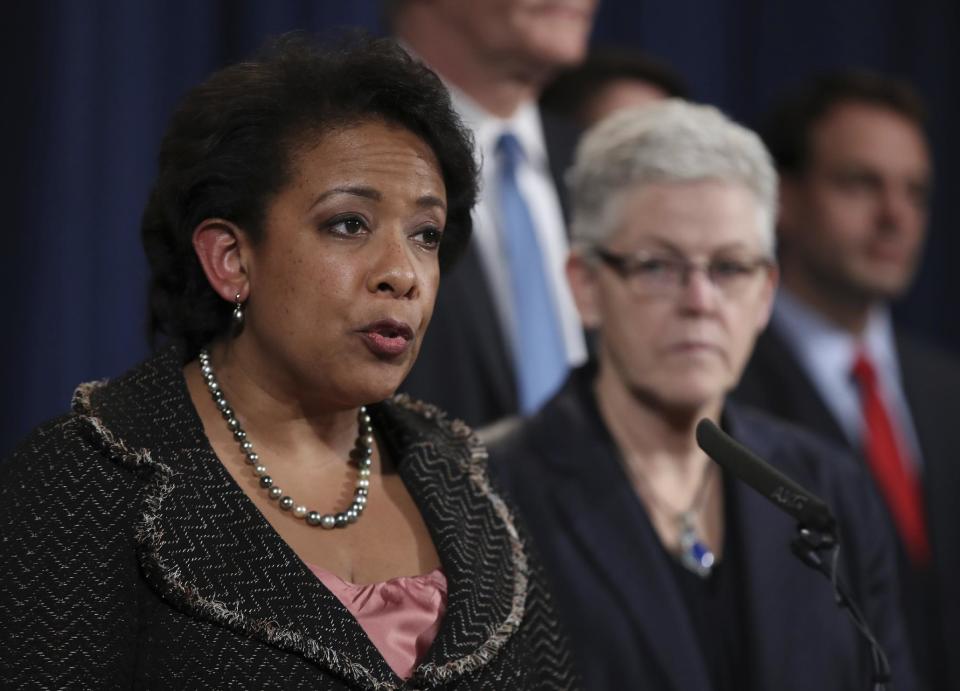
(90, 84)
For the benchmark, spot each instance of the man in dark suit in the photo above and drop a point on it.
(855, 175)
(670, 574)
(505, 330)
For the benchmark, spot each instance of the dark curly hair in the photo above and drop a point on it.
(229, 147)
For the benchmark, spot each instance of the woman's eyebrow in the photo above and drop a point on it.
(430, 200)
(357, 191)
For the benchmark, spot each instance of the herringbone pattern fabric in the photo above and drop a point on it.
(130, 558)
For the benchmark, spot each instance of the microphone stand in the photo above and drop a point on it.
(816, 547)
(820, 550)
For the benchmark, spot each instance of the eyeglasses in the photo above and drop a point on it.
(665, 275)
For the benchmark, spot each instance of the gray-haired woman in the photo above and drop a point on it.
(670, 574)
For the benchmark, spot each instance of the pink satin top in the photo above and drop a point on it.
(400, 616)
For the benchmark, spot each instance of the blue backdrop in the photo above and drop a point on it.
(91, 83)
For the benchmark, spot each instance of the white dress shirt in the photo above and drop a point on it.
(538, 189)
(827, 353)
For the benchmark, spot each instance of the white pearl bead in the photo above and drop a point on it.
(260, 470)
(300, 511)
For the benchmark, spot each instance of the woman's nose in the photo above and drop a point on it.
(394, 269)
(697, 291)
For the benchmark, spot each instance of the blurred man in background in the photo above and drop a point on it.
(608, 80)
(506, 330)
(855, 179)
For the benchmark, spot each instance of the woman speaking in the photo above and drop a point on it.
(250, 507)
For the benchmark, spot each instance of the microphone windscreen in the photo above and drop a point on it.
(743, 464)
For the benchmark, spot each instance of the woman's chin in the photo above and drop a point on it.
(691, 398)
(377, 386)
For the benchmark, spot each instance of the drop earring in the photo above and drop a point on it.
(237, 311)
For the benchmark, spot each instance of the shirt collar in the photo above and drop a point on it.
(524, 124)
(816, 339)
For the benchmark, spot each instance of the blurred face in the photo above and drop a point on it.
(523, 36)
(618, 94)
(680, 344)
(854, 222)
(343, 282)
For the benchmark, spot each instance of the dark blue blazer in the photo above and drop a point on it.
(614, 585)
(776, 382)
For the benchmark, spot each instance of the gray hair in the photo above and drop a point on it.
(668, 141)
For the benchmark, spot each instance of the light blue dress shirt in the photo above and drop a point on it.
(827, 353)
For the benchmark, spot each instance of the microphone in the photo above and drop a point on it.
(809, 510)
(817, 526)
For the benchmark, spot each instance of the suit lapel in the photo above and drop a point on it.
(774, 610)
(776, 383)
(788, 604)
(443, 465)
(615, 537)
(560, 137)
(926, 389)
(207, 550)
(203, 545)
(471, 295)
(930, 381)
(466, 342)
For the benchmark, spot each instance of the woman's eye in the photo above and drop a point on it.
(351, 225)
(728, 268)
(429, 237)
(652, 267)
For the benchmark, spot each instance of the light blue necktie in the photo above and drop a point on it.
(539, 353)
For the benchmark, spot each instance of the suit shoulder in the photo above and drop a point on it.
(63, 468)
(55, 453)
(783, 442)
(512, 459)
(923, 357)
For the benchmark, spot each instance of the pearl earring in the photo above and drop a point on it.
(237, 311)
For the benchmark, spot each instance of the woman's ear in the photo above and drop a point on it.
(221, 247)
(770, 284)
(582, 276)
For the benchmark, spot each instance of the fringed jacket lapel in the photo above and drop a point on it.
(205, 548)
(472, 530)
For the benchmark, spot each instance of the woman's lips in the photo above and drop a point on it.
(694, 348)
(387, 338)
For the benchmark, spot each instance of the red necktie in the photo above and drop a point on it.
(890, 467)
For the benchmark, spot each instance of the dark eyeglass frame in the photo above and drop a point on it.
(721, 273)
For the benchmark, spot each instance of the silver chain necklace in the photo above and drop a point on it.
(362, 454)
(695, 555)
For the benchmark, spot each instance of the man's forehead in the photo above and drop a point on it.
(871, 134)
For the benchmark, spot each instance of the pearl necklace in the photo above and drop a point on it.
(362, 454)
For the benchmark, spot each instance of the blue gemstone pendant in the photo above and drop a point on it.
(694, 553)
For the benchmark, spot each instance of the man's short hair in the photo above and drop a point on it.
(787, 129)
(573, 88)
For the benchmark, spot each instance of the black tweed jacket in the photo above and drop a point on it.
(130, 558)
